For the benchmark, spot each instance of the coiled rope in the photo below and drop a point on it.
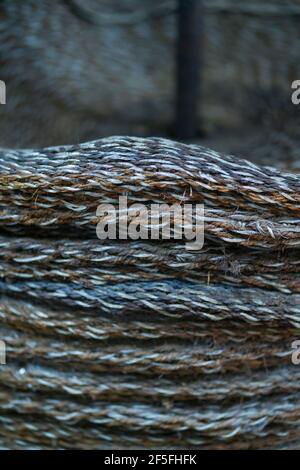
(143, 343)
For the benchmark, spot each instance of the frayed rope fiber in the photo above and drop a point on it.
(144, 344)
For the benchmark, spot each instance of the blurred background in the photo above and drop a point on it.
(215, 72)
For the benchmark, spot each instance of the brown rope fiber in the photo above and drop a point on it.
(145, 344)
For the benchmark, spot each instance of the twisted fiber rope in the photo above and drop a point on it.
(144, 344)
(174, 299)
(228, 225)
(231, 387)
(283, 384)
(145, 168)
(245, 204)
(172, 358)
(154, 419)
(95, 276)
(158, 362)
(42, 320)
(95, 265)
(49, 435)
(144, 255)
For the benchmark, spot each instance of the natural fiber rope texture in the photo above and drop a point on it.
(43, 320)
(245, 204)
(125, 344)
(201, 389)
(171, 299)
(229, 226)
(92, 263)
(174, 359)
(147, 167)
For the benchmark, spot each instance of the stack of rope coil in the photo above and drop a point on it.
(144, 344)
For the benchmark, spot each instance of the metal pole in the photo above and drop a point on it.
(189, 51)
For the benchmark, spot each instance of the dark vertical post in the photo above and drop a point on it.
(189, 52)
